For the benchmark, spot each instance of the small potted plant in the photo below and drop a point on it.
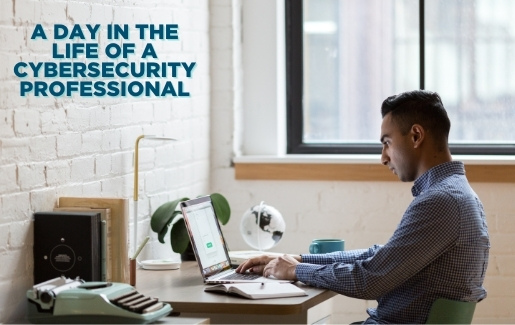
(163, 219)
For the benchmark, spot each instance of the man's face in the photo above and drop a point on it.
(398, 152)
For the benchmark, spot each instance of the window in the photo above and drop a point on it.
(344, 57)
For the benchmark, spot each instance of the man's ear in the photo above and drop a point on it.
(417, 135)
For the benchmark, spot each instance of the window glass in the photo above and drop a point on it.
(358, 52)
(470, 46)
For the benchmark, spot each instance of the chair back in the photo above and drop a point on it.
(445, 311)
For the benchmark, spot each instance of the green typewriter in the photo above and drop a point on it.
(63, 300)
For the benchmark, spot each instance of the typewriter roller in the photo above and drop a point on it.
(63, 300)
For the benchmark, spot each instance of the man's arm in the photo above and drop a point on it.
(340, 257)
(257, 264)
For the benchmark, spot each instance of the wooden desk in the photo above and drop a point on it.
(183, 289)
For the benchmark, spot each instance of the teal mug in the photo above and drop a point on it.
(322, 246)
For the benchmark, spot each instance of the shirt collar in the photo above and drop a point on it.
(436, 174)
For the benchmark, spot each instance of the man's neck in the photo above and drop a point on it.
(434, 159)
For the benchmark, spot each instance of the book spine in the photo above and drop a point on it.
(103, 240)
(96, 248)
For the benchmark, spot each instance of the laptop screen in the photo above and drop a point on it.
(205, 235)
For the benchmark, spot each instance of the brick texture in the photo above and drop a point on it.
(77, 146)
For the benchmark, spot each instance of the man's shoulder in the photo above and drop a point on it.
(451, 192)
(452, 184)
(435, 199)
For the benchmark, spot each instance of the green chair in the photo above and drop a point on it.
(445, 311)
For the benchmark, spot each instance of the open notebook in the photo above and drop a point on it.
(258, 290)
(209, 245)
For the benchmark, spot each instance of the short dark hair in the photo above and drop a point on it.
(419, 107)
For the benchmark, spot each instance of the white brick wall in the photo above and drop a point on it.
(51, 147)
(363, 213)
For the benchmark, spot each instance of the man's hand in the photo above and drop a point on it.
(282, 267)
(255, 264)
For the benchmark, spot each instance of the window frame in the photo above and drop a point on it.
(294, 95)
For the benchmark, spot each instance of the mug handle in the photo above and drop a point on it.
(313, 248)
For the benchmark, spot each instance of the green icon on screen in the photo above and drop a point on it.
(209, 245)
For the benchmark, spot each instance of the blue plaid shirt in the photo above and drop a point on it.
(439, 250)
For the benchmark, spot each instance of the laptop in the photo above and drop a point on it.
(209, 245)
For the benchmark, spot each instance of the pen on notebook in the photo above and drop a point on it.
(140, 247)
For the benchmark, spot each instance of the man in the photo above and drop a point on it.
(440, 247)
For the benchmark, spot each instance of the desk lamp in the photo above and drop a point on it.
(136, 172)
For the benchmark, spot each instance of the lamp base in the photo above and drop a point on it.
(160, 265)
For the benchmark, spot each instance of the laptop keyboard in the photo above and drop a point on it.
(241, 276)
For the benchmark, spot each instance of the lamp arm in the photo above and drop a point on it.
(135, 197)
(136, 163)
